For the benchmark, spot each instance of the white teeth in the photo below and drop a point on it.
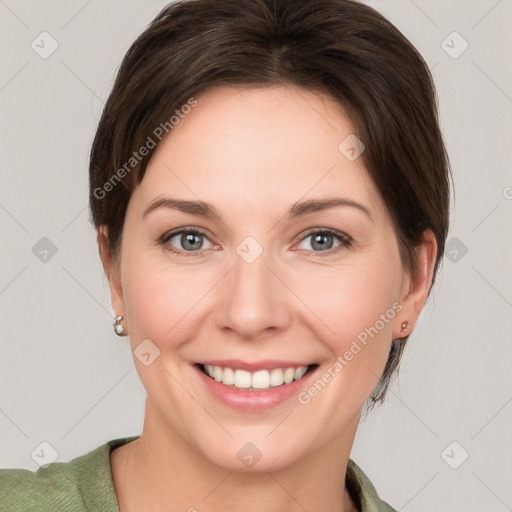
(299, 372)
(276, 377)
(289, 375)
(261, 379)
(217, 373)
(228, 377)
(242, 379)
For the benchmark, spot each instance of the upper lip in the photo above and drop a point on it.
(252, 366)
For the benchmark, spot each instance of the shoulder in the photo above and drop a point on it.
(363, 491)
(50, 486)
(79, 484)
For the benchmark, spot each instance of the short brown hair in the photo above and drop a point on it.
(341, 48)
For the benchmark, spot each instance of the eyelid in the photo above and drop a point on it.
(331, 231)
(177, 231)
(164, 240)
(344, 239)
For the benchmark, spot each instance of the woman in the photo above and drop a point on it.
(270, 190)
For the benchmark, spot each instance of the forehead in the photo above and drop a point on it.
(258, 145)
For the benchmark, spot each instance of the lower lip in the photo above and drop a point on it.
(259, 400)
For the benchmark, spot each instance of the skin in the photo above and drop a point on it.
(252, 153)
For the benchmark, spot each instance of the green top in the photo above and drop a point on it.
(85, 484)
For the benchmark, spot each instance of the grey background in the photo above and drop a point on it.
(67, 380)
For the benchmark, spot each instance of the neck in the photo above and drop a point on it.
(161, 472)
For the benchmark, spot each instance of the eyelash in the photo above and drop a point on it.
(345, 241)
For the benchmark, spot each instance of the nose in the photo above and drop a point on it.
(253, 300)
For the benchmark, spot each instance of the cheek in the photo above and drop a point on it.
(357, 301)
(353, 297)
(161, 299)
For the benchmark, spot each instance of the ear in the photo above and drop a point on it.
(415, 287)
(112, 269)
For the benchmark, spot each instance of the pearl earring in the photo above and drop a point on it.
(119, 327)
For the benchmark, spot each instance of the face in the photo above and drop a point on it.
(260, 287)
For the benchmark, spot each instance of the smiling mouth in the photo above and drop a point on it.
(255, 381)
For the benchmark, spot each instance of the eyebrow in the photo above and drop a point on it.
(316, 205)
(298, 209)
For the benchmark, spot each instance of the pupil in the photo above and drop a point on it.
(320, 239)
(189, 238)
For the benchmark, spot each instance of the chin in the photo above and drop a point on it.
(243, 456)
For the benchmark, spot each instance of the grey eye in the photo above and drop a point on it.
(188, 240)
(321, 241)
